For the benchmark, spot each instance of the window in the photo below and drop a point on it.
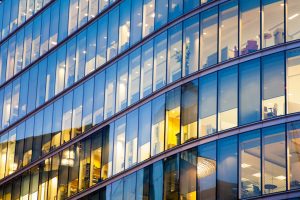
(6, 106)
(112, 42)
(54, 22)
(249, 26)
(249, 92)
(209, 38)
(190, 5)
(273, 86)
(110, 91)
(27, 45)
(293, 78)
(274, 159)
(101, 41)
(119, 145)
(161, 13)
(87, 111)
(83, 12)
(96, 153)
(148, 17)
(47, 129)
(41, 85)
(190, 45)
(144, 132)
(136, 21)
(11, 58)
(156, 180)
(273, 22)
(67, 117)
(80, 56)
(188, 174)
(175, 53)
(293, 18)
(60, 69)
(99, 98)
(227, 98)
(45, 31)
(131, 138)
(228, 31)
(134, 76)
(207, 104)
(250, 160)
(172, 118)
(158, 125)
(37, 135)
(124, 28)
(27, 153)
(74, 154)
(14, 112)
(171, 177)
(84, 164)
(91, 48)
(73, 13)
(160, 61)
(293, 137)
(19, 51)
(36, 38)
(227, 168)
(93, 9)
(23, 94)
(77, 111)
(107, 155)
(11, 145)
(3, 152)
(57, 122)
(175, 9)
(50, 76)
(63, 19)
(189, 111)
(129, 186)
(33, 77)
(146, 70)
(19, 146)
(206, 171)
(117, 190)
(6, 18)
(22, 12)
(142, 183)
(122, 81)
(70, 63)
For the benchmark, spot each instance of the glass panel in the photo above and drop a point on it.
(67, 117)
(156, 180)
(70, 63)
(101, 41)
(122, 81)
(112, 42)
(110, 91)
(73, 169)
(273, 86)
(129, 186)
(161, 15)
(96, 153)
(158, 125)
(80, 56)
(293, 137)
(249, 92)
(54, 24)
(53, 178)
(273, 22)
(45, 31)
(19, 146)
(209, 38)
(50, 77)
(99, 98)
(63, 171)
(144, 132)
(91, 48)
(146, 70)
(3, 152)
(175, 9)
(293, 80)
(84, 165)
(250, 161)
(131, 138)
(227, 98)
(6, 106)
(77, 112)
(3, 62)
(57, 121)
(87, 111)
(148, 16)
(228, 28)
(117, 190)
(27, 154)
(227, 168)
(33, 79)
(63, 22)
(190, 5)
(11, 58)
(142, 184)
(249, 26)
(119, 145)
(19, 51)
(107, 155)
(207, 104)
(160, 61)
(175, 53)
(36, 38)
(173, 118)
(83, 12)
(23, 94)
(134, 76)
(206, 171)
(73, 16)
(60, 69)
(171, 177)
(190, 45)
(27, 45)
(47, 129)
(11, 147)
(124, 28)
(14, 112)
(37, 137)
(293, 19)
(136, 21)
(274, 159)
(188, 174)
(41, 92)
(189, 113)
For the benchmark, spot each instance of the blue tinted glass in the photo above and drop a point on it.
(136, 21)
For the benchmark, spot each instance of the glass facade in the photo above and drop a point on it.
(172, 99)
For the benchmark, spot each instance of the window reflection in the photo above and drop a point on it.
(146, 69)
(148, 16)
(119, 145)
(124, 28)
(274, 159)
(144, 132)
(293, 19)
(134, 76)
(131, 138)
(160, 61)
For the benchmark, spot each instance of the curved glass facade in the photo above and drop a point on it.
(152, 99)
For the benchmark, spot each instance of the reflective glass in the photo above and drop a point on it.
(131, 138)
(110, 91)
(292, 20)
(144, 132)
(148, 16)
(146, 69)
(171, 177)
(124, 27)
(160, 61)
(134, 76)
(119, 145)
(136, 21)
(122, 82)
(101, 41)
(112, 32)
(161, 13)
(87, 111)
(175, 9)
